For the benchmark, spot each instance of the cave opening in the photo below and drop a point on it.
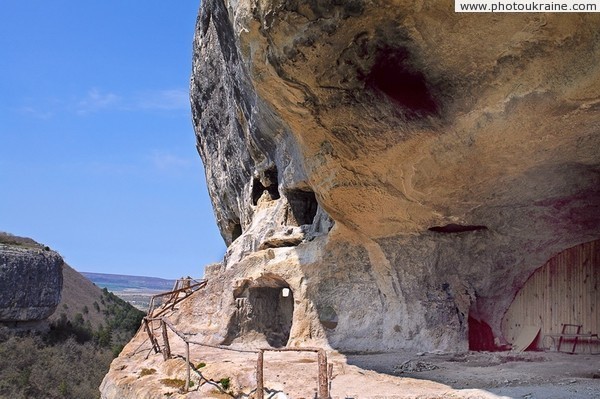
(236, 230)
(303, 207)
(267, 186)
(393, 75)
(481, 337)
(263, 310)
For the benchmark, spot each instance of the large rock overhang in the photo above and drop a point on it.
(453, 155)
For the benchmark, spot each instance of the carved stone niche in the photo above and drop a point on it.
(264, 311)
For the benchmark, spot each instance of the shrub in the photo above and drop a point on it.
(225, 382)
(78, 320)
(63, 389)
(70, 359)
(146, 372)
(175, 382)
(32, 368)
(116, 350)
(63, 329)
(103, 337)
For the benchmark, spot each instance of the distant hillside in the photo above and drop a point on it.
(86, 331)
(118, 282)
(137, 290)
(97, 307)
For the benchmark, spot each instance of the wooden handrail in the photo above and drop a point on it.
(322, 373)
(323, 378)
(192, 287)
(323, 370)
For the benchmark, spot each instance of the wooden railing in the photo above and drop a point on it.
(323, 377)
(185, 286)
(166, 349)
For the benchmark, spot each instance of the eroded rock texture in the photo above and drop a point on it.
(386, 174)
(399, 166)
(30, 280)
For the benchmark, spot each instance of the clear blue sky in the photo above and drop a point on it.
(97, 149)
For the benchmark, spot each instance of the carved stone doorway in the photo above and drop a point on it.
(264, 308)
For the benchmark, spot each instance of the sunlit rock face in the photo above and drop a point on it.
(30, 281)
(399, 167)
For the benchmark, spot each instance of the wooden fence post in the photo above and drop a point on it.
(187, 361)
(151, 336)
(323, 380)
(167, 348)
(259, 376)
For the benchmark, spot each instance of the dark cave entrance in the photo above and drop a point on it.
(264, 308)
(266, 187)
(303, 207)
(236, 231)
(481, 337)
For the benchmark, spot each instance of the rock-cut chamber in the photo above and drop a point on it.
(263, 312)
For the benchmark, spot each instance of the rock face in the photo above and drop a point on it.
(403, 169)
(30, 280)
(386, 174)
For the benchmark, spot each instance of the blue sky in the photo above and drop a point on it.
(97, 149)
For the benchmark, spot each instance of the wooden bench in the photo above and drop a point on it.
(569, 332)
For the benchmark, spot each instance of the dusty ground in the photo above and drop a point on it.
(541, 375)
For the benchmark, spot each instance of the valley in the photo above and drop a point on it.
(137, 290)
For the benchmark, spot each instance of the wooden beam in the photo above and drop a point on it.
(260, 388)
(187, 362)
(151, 335)
(167, 347)
(323, 380)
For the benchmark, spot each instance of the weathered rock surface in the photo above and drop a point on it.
(401, 168)
(30, 280)
(452, 154)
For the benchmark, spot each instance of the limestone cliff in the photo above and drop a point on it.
(400, 168)
(453, 155)
(30, 280)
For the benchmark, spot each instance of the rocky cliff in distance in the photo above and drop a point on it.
(402, 168)
(30, 280)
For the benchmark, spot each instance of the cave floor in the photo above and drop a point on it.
(541, 375)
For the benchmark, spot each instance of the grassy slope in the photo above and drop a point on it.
(79, 294)
(95, 311)
(23, 242)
